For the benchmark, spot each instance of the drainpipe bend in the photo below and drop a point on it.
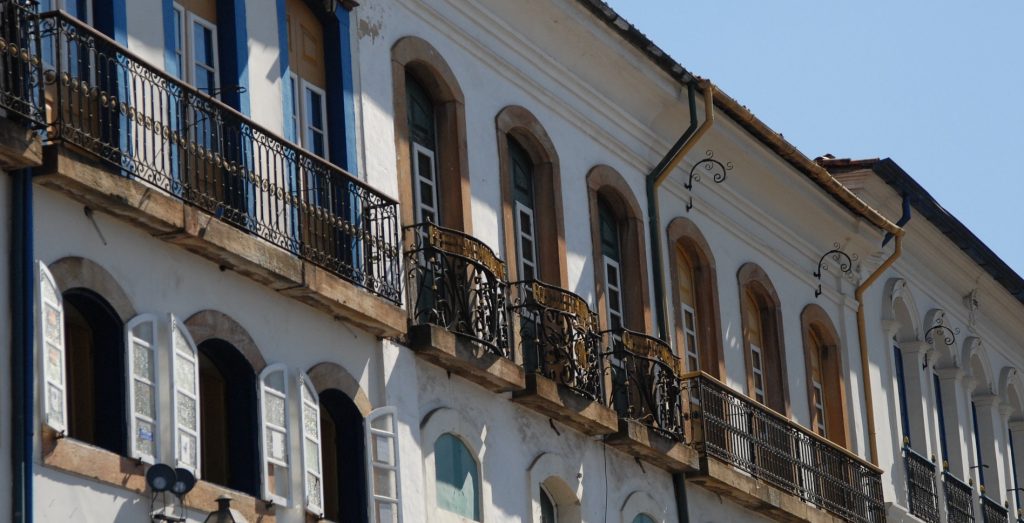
(689, 138)
(862, 339)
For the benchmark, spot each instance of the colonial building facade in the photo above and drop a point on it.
(433, 260)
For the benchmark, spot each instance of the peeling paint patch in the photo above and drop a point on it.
(370, 29)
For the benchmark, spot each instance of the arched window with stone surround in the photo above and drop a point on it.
(430, 137)
(698, 330)
(620, 255)
(762, 339)
(457, 477)
(826, 384)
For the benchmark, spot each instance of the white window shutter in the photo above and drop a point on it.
(185, 403)
(140, 335)
(312, 459)
(274, 433)
(50, 336)
(382, 466)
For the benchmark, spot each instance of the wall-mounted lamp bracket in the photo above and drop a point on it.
(843, 262)
(709, 166)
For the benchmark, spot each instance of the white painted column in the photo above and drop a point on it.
(990, 421)
(1017, 433)
(919, 396)
(957, 415)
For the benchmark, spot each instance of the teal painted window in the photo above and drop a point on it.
(609, 230)
(457, 476)
(548, 513)
(422, 121)
(522, 173)
(643, 518)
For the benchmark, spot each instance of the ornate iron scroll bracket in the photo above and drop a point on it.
(844, 262)
(711, 167)
(948, 335)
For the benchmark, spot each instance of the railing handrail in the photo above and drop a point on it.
(494, 263)
(915, 454)
(669, 359)
(743, 397)
(206, 98)
(581, 303)
(947, 475)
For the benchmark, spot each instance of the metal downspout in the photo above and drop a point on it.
(22, 331)
(658, 175)
(863, 339)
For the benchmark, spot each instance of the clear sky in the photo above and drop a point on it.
(938, 86)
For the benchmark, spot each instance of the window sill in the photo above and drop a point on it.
(81, 459)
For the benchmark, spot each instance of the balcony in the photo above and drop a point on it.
(992, 511)
(125, 138)
(959, 499)
(558, 340)
(773, 465)
(921, 491)
(458, 309)
(642, 380)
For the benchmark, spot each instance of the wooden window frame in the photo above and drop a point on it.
(821, 341)
(605, 182)
(752, 279)
(519, 124)
(414, 56)
(686, 237)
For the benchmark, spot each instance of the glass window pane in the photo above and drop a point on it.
(457, 479)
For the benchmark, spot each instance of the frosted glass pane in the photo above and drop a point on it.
(382, 449)
(273, 409)
(313, 490)
(309, 424)
(55, 398)
(187, 449)
(384, 483)
(49, 293)
(184, 374)
(186, 411)
(386, 512)
(275, 381)
(142, 363)
(144, 400)
(144, 331)
(144, 438)
(53, 326)
(54, 364)
(382, 423)
(312, 457)
(277, 445)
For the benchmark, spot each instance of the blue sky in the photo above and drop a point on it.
(937, 86)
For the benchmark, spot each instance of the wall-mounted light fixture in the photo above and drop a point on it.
(223, 513)
(162, 479)
(709, 166)
(840, 260)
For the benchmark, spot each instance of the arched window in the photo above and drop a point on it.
(698, 331)
(95, 370)
(344, 458)
(548, 508)
(457, 477)
(825, 381)
(762, 339)
(227, 390)
(643, 518)
(620, 257)
(430, 137)
(531, 198)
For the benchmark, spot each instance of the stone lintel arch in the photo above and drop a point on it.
(1011, 389)
(817, 326)
(901, 310)
(210, 324)
(975, 359)
(327, 375)
(446, 420)
(604, 182)
(561, 480)
(519, 123)
(416, 57)
(685, 236)
(640, 502)
(73, 272)
(754, 280)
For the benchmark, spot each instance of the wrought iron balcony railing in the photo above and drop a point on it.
(113, 106)
(921, 489)
(959, 499)
(642, 377)
(558, 336)
(21, 71)
(458, 283)
(732, 428)
(993, 512)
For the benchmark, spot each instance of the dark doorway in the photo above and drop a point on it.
(227, 393)
(344, 458)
